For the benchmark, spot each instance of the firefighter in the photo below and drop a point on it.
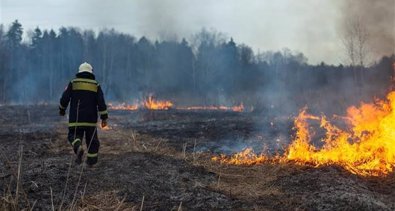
(86, 101)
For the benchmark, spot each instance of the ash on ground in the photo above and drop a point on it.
(161, 161)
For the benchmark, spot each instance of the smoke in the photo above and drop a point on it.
(152, 19)
(378, 20)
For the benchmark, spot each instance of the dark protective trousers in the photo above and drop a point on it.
(75, 137)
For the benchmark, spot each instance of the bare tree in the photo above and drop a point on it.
(3, 65)
(355, 38)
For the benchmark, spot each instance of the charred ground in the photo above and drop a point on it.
(164, 157)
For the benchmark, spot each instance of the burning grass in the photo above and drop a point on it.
(245, 157)
(366, 147)
(152, 104)
(158, 165)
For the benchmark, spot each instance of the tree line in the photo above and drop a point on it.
(208, 69)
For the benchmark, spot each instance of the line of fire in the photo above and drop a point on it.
(364, 147)
(168, 105)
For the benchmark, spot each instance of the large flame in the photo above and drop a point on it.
(366, 147)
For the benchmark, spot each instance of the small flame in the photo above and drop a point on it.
(151, 104)
(239, 108)
(106, 128)
(245, 157)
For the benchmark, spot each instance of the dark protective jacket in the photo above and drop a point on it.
(86, 101)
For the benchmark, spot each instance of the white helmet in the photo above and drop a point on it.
(85, 67)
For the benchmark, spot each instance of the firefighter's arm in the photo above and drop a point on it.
(65, 99)
(101, 105)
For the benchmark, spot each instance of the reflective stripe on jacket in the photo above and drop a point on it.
(86, 100)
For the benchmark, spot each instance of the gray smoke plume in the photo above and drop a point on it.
(377, 19)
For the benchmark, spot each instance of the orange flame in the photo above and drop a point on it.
(151, 104)
(245, 157)
(106, 128)
(239, 108)
(366, 147)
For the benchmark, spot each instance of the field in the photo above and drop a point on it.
(161, 160)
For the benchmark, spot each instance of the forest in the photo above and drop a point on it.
(208, 69)
(307, 136)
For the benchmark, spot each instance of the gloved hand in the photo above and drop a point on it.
(62, 112)
(104, 123)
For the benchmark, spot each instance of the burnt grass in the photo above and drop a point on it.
(161, 161)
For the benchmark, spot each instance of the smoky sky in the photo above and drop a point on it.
(310, 26)
(377, 18)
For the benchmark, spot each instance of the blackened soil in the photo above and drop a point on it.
(131, 164)
(161, 161)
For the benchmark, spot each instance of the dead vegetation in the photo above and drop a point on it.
(165, 164)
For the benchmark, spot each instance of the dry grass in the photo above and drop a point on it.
(11, 200)
(104, 201)
(260, 187)
(248, 183)
(245, 183)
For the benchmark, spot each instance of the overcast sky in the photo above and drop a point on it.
(308, 26)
